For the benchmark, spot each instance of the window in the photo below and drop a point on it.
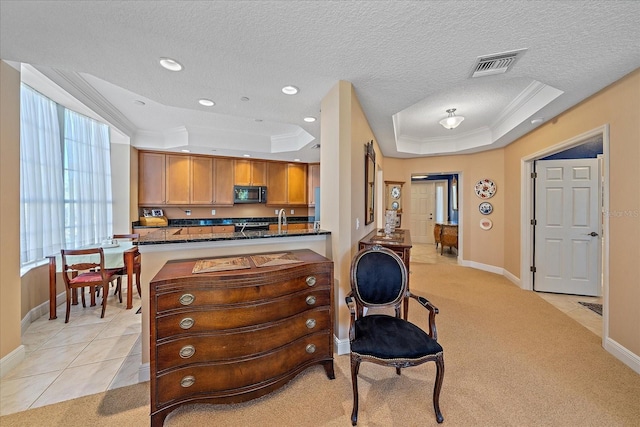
(65, 178)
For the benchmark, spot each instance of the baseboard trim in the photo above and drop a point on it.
(12, 360)
(341, 346)
(512, 278)
(483, 267)
(623, 354)
(38, 311)
(144, 372)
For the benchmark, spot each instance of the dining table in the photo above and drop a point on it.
(116, 256)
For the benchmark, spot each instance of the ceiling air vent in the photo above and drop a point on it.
(497, 63)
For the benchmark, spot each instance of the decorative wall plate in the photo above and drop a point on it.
(485, 208)
(486, 224)
(485, 188)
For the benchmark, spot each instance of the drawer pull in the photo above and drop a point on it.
(187, 299)
(187, 351)
(311, 348)
(311, 280)
(188, 381)
(311, 300)
(187, 323)
(311, 323)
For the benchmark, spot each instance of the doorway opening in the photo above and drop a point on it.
(528, 203)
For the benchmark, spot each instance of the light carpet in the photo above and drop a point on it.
(511, 359)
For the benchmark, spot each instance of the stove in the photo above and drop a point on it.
(251, 226)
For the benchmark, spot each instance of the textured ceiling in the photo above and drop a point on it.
(408, 62)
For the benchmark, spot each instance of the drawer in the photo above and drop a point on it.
(227, 378)
(197, 230)
(239, 291)
(241, 343)
(218, 318)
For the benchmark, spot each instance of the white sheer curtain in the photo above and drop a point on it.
(41, 187)
(87, 177)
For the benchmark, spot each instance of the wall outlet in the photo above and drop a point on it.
(276, 212)
(357, 223)
(188, 212)
(292, 211)
(213, 211)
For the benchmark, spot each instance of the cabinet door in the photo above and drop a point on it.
(250, 172)
(242, 172)
(313, 181)
(201, 180)
(151, 179)
(277, 183)
(223, 229)
(177, 179)
(297, 184)
(197, 230)
(223, 182)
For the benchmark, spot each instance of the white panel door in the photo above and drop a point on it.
(422, 212)
(567, 234)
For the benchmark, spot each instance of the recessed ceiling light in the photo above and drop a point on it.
(206, 102)
(537, 120)
(309, 119)
(296, 160)
(289, 90)
(186, 151)
(170, 64)
(247, 155)
(138, 102)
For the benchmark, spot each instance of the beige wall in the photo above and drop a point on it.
(618, 106)
(9, 209)
(475, 242)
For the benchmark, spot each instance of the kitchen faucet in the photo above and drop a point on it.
(282, 220)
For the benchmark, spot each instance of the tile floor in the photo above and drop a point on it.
(91, 355)
(85, 356)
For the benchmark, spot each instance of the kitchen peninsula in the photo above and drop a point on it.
(158, 247)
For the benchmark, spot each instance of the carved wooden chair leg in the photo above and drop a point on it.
(438, 386)
(355, 367)
(138, 285)
(105, 294)
(66, 318)
(398, 371)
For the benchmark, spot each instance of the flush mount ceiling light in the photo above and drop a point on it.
(206, 102)
(289, 90)
(309, 119)
(170, 64)
(451, 121)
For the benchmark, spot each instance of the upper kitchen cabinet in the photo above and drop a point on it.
(286, 183)
(313, 181)
(250, 172)
(201, 181)
(151, 179)
(168, 179)
(178, 179)
(223, 184)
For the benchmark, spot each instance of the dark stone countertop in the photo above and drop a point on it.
(226, 221)
(162, 236)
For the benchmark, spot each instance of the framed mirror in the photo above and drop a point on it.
(369, 182)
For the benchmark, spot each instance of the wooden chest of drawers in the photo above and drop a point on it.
(232, 336)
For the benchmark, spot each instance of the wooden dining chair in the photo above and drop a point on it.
(137, 264)
(79, 273)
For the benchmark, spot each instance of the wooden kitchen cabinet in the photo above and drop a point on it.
(277, 183)
(214, 339)
(250, 172)
(286, 183)
(151, 179)
(204, 229)
(201, 181)
(313, 181)
(178, 174)
(297, 184)
(223, 229)
(223, 182)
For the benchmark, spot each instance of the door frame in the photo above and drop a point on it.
(527, 213)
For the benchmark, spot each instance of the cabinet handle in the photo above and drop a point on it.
(187, 299)
(311, 300)
(187, 323)
(311, 280)
(188, 381)
(311, 323)
(187, 351)
(311, 348)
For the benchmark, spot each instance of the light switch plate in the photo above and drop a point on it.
(213, 211)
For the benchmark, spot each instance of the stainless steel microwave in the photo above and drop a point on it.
(249, 194)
